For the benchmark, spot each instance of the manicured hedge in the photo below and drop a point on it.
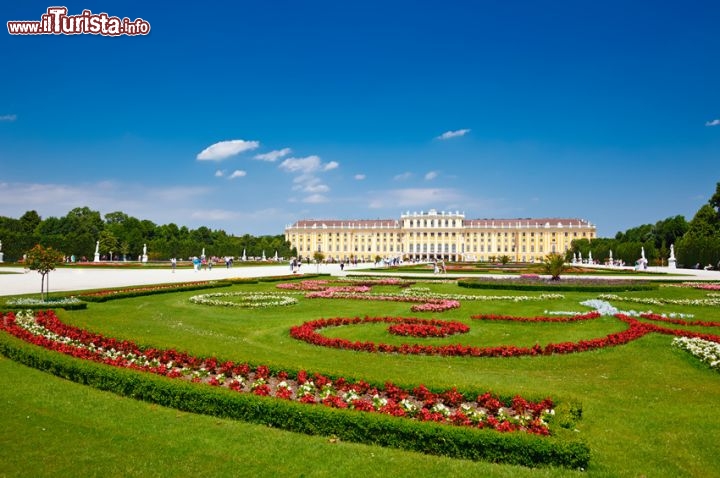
(148, 290)
(457, 442)
(557, 286)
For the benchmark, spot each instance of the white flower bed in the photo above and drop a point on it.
(706, 351)
(423, 292)
(29, 302)
(248, 300)
(653, 301)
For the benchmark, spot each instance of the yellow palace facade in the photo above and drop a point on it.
(437, 235)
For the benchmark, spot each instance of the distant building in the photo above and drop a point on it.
(437, 235)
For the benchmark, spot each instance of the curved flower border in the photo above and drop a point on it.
(251, 300)
(307, 332)
(450, 407)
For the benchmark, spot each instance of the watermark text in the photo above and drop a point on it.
(56, 21)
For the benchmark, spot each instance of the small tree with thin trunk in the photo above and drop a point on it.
(43, 260)
(319, 257)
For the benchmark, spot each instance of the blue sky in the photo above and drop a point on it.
(247, 116)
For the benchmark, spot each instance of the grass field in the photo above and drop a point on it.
(648, 409)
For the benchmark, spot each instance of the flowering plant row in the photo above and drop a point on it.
(308, 332)
(663, 318)
(103, 295)
(427, 304)
(705, 350)
(573, 318)
(449, 407)
(699, 285)
(247, 300)
(423, 293)
(656, 301)
(429, 328)
(61, 302)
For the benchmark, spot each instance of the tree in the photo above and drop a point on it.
(319, 257)
(554, 264)
(43, 260)
(504, 259)
(108, 242)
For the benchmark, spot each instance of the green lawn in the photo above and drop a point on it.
(648, 409)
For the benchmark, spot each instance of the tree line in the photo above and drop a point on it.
(697, 242)
(76, 234)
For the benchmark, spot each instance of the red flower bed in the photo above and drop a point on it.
(587, 316)
(430, 328)
(307, 332)
(660, 318)
(449, 407)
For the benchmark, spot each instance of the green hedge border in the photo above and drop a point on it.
(560, 287)
(142, 292)
(347, 425)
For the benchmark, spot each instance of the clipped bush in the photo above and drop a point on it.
(565, 285)
(383, 430)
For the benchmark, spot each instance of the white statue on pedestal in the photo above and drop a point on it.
(672, 262)
(144, 256)
(97, 252)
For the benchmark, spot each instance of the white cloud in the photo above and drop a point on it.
(431, 175)
(403, 176)
(413, 197)
(715, 122)
(273, 155)
(237, 174)
(225, 149)
(307, 164)
(315, 199)
(306, 181)
(453, 134)
(219, 173)
(359, 177)
(8, 118)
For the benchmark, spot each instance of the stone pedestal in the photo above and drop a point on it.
(144, 258)
(672, 263)
(2, 257)
(97, 257)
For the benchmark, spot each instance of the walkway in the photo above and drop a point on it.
(15, 281)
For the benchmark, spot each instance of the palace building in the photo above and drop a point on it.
(437, 235)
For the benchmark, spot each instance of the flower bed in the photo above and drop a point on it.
(574, 318)
(110, 294)
(713, 302)
(449, 407)
(67, 303)
(431, 328)
(705, 350)
(566, 284)
(247, 300)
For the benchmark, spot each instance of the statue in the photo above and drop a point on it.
(0, 245)
(97, 247)
(672, 262)
(144, 249)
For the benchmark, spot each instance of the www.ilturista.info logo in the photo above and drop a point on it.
(57, 22)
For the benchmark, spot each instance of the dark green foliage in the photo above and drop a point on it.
(557, 286)
(361, 427)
